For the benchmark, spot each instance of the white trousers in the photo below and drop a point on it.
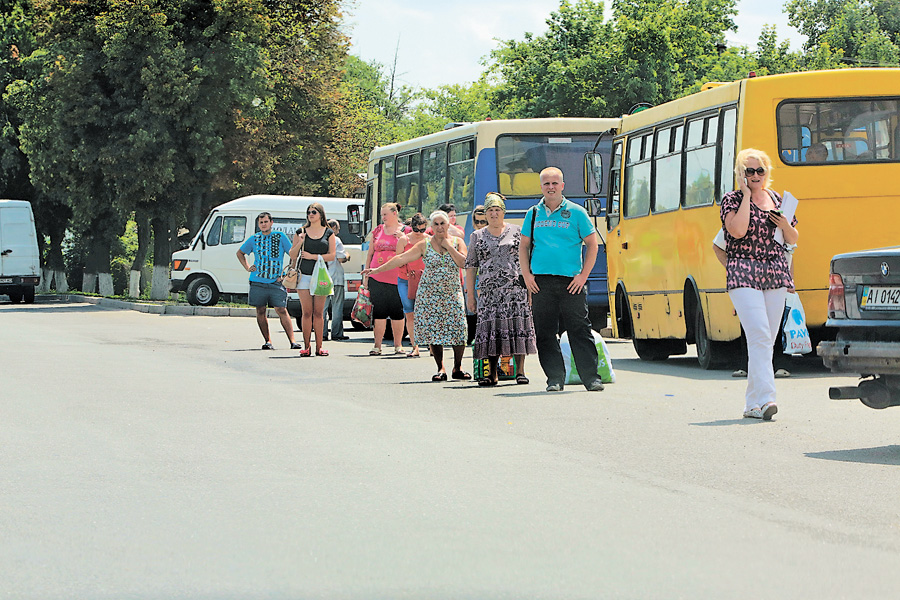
(760, 312)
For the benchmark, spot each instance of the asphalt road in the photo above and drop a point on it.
(146, 456)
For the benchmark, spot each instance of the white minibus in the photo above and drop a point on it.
(20, 260)
(208, 268)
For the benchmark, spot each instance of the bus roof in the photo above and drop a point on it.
(496, 127)
(806, 84)
(274, 203)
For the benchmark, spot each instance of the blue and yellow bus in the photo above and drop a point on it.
(462, 163)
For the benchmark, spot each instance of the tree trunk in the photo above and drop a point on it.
(98, 267)
(195, 217)
(162, 251)
(106, 284)
(140, 257)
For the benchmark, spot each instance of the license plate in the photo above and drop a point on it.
(880, 297)
(5, 279)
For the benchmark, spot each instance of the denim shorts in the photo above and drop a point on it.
(267, 294)
(409, 304)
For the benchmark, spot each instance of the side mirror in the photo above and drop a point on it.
(354, 223)
(593, 173)
(595, 206)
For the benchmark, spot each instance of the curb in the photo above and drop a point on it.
(160, 309)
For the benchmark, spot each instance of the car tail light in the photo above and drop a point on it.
(353, 285)
(837, 307)
(179, 264)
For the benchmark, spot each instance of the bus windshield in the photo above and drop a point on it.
(520, 159)
(816, 131)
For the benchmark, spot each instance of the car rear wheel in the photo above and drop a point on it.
(28, 296)
(15, 297)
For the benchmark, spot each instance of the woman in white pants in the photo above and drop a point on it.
(757, 273)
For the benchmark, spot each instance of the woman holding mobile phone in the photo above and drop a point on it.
(757, 272)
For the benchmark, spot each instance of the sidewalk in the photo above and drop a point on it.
(157, 308)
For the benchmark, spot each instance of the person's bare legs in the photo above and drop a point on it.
(306, 321)
(397, 326)
(263, 322)
(457, 357)
(285, 322)
(412, 334)
(318, 319)
(378, 330)
(520, 363)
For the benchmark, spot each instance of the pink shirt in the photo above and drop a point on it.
(385, 248)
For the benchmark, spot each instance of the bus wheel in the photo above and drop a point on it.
(710, 354)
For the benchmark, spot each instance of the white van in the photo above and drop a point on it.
(20, 260)
(208, 269)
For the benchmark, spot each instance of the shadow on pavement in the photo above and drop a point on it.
(880, 455)
(7, 307)
(686, 366)
(729, 422)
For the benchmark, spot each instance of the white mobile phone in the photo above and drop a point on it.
(745, 181)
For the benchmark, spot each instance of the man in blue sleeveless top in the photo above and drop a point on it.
(268, 249)
(556, 275)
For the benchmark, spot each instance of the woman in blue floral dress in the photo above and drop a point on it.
(440, 319)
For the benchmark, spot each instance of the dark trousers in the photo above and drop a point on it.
(554, 305)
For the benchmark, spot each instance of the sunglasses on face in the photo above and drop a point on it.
(312, 212)
(750, 172)
(419, 229)
(477, 222)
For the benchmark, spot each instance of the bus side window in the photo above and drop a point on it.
(637, 176)
(234, 229)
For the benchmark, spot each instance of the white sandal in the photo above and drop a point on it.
(375, 352)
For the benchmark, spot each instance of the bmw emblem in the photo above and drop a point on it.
(885, 269)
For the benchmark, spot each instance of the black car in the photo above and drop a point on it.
(864, 305)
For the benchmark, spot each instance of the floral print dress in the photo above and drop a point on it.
(505, 324)
(440, 319)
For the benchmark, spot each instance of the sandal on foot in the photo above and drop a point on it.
(768, 410)
(399, 350)
(296, 346)
(321, 352)
(306, 352)
(753, 413)
(739, 373)
(460, 374)
(375, 352)
(487, 382)
(414, 353)
(521, 379)
(439, 377)
(782, 373)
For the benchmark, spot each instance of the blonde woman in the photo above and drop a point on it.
(757, 272)
(314, 240)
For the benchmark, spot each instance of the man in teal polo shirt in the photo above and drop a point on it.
(556, 275)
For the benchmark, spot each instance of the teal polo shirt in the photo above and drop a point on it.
(558, 237)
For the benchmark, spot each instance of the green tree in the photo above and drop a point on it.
(449, 104)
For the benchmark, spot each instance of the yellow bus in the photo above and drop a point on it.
(673, 163)
(465, 161)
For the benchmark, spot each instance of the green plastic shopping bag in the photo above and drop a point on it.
(320, 284)
(604, 363)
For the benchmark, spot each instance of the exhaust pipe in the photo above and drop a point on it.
(843, 393)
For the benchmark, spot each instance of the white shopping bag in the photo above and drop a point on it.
(604, 362)
(794, 334)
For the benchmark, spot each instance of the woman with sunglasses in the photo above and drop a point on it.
(314, 240)
(411, 272)
(383, 287)
(757, 272)
(439, 316)
(505, 324)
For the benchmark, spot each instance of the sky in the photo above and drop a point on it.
(443, 41)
